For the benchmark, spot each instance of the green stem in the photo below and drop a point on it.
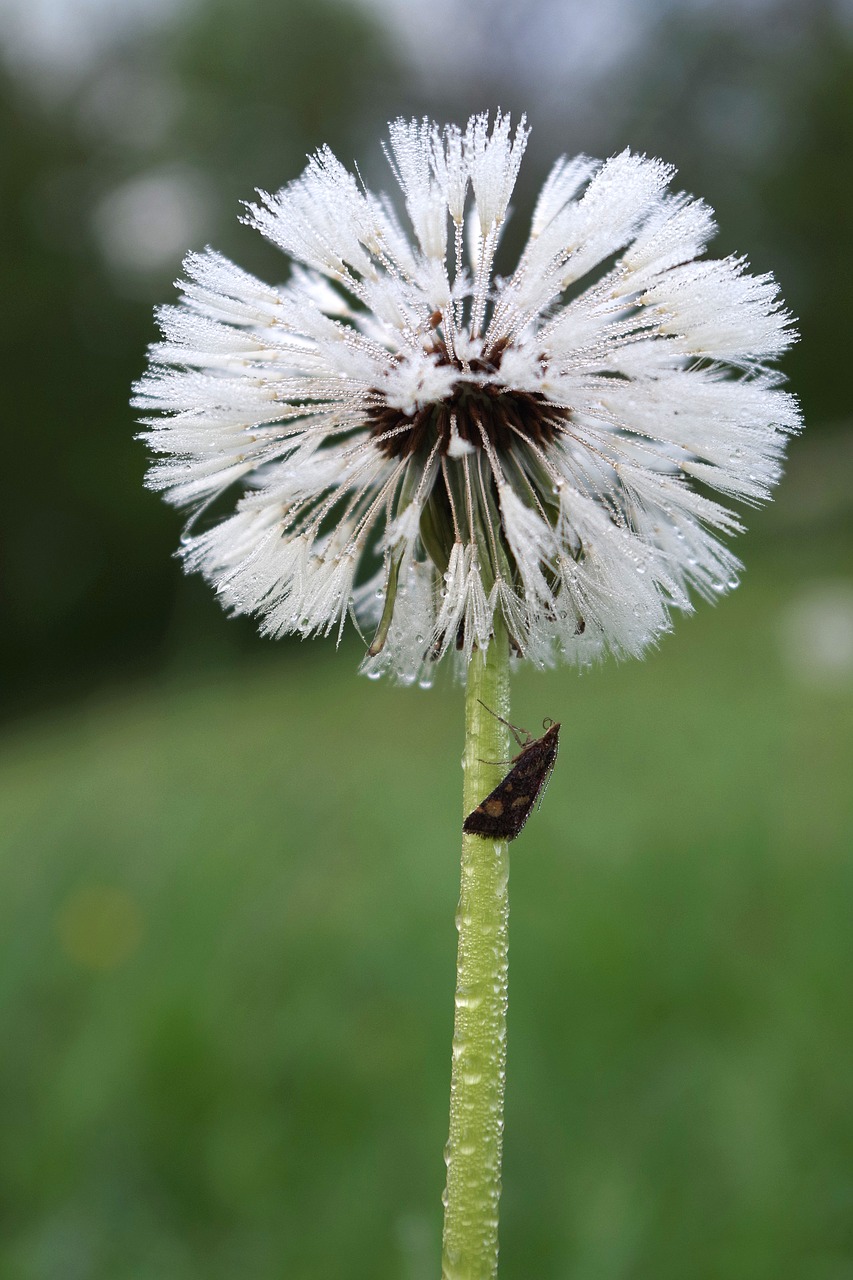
(473, 1152)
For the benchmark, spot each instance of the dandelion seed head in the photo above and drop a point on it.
(419, 443)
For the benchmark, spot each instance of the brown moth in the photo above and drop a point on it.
(505, 810)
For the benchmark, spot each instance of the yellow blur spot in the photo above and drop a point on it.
(99, 927)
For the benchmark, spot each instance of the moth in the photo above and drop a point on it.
(505, 810)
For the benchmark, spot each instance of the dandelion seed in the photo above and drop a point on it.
(420, 443)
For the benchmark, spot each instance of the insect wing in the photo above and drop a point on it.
(503, 813)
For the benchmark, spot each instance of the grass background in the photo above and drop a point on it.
(227, 986)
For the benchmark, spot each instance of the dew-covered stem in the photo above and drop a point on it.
(473, 1152)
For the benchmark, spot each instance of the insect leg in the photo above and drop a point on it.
(522, 742)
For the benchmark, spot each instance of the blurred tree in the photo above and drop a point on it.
(257, 87)
(807, 192)
(68, 346)
(758, 120)
(103, 192)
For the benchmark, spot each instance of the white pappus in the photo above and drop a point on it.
(422, 444)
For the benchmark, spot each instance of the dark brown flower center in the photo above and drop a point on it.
(474, 412)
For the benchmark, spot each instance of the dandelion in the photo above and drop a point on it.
(425, 445)
(471, 463)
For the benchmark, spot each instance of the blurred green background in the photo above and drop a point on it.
(228, 869)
